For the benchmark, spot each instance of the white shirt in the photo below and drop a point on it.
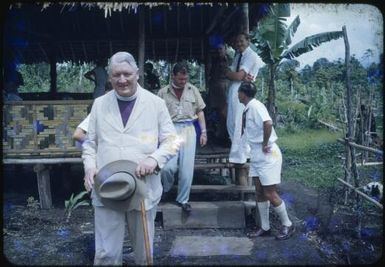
(256, 114)
(249, 62)
(84, 124)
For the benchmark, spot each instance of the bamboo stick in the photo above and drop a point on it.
(209, 156)
(370, 164)
(376, 203)
(330, 125)
(145, 233)
(221, 165)
(377, 151)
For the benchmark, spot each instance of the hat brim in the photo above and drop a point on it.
(115, 167)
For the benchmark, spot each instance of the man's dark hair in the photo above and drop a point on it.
(248, 88)
(180, 67)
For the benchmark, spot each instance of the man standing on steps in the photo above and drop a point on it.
(185, 105)
(128, 123)
(265, 161)
(243, 68)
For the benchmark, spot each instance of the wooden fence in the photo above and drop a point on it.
(351, 176)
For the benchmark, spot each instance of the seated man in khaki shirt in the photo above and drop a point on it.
(185, 105)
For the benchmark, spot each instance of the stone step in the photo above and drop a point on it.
(230, 188)
(217, 214)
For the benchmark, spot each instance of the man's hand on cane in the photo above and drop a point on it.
(146, 167)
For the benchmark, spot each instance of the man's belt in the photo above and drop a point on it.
(186, 122)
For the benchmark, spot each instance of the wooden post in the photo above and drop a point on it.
(52, 71)
(348, 153)
(141, 45)
(146, 238)
(348, 84)
(245, 9)
(350, 135)
(44, 185)
(242, 173)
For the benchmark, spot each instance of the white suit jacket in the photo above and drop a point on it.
(149, 131)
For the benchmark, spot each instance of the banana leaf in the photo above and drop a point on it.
(283, 10)
(262, 48)
(82, 203)
(273, 30)
(79, 196)
(307, 44)
(291, 30)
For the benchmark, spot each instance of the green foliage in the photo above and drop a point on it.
(197, 75)
(318, 92)
(294, 112)
(270, 40)
(32, 203)
(70, 78)
(311, 156)
(36, 78)
(74, 202)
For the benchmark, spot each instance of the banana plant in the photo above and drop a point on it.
(74, 202)
(271, 38)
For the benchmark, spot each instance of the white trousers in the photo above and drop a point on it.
(240, 150)
(110, 230)
(182, 162)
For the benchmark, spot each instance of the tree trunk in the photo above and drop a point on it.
(141, 47)
(271, 94)
(245, 9)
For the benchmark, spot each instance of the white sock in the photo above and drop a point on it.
(282, 213)
(263, 208)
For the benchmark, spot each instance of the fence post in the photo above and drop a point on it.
(44, 185)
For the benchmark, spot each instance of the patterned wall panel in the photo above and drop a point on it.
(42, 128)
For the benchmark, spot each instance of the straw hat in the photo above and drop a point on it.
(118, 187)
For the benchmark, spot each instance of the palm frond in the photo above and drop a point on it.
(262, 48)
(307, 44)
(273, 30)
(291, 30)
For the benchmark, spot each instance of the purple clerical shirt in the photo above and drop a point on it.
(125, 108)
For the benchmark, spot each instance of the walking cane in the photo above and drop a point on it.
(145, 232)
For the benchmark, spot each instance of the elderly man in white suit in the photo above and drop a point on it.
(127, 123)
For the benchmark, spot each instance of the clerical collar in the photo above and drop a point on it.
(176, 87)
(126, 98)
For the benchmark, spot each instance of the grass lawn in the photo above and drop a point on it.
(310, 156)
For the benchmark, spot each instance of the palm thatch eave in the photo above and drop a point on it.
(110, 7)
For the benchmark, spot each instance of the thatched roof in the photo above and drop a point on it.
(36, 32)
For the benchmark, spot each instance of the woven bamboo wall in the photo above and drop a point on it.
(42, 128)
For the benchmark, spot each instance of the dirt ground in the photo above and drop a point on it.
(326, 234)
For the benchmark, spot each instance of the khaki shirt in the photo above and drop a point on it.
(187, 107)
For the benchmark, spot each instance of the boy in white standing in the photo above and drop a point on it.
(265, 161)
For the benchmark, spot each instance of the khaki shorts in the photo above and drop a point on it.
(266, 166)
